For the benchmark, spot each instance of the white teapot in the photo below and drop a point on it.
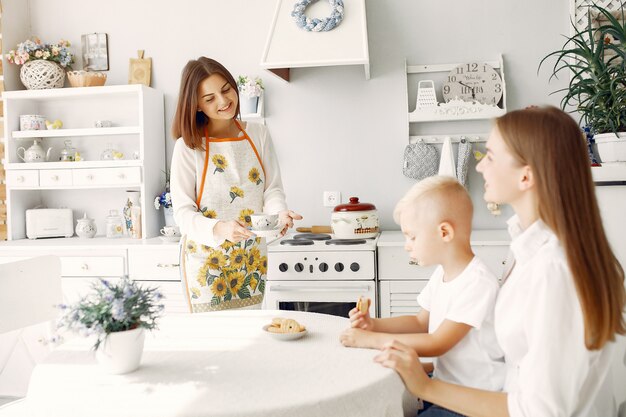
(34, 154)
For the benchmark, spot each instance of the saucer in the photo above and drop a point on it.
(170, 238)
(271, 233)
(284, 336)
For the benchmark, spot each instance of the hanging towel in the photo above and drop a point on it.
(446, 164)
(462, 160)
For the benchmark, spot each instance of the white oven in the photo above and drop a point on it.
(316, 273)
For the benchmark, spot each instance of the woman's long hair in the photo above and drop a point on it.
(550, 142)
(188, 121)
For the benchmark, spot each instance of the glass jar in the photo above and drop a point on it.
(114, 224)
(68, 153)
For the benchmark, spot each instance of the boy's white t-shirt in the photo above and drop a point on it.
(477, 360)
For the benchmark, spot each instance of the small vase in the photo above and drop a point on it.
(132, 200)
(248, 105)
(168, 214)
(121, 352)
(41, 74)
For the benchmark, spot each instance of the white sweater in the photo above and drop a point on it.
(186, 176)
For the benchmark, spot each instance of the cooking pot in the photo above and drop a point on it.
(355, 220)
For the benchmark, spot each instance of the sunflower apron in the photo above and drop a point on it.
(233, 274)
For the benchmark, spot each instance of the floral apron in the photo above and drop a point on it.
(233, 274)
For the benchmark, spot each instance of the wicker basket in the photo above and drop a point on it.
(86, 79)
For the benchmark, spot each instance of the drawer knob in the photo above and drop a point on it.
(121, 176)
(84, 267)
(89, 177)
(55, 178)
(167, 265)
(20, 179)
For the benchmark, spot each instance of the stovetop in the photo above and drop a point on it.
(320, 242)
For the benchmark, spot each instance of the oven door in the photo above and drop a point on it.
(328, 297)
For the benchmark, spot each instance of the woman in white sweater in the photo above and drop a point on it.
(562, 303)
(223, 171)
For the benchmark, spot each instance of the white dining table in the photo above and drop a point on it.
(223, 364)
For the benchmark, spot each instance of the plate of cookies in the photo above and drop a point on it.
(284, 329)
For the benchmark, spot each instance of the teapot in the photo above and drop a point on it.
(86, 227)
(35, 153)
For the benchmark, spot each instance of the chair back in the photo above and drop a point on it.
(29, 292)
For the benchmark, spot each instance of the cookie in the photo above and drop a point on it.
(363, 304)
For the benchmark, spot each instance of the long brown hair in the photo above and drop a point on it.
(188, 121)
(550, 142)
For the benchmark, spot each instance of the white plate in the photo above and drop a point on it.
(267, 233)
(284, 336)
(169, 238)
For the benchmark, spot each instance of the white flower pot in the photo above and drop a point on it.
(168, 214)
(248, 105)
(121, 352)
(611, 148)
(41, 74)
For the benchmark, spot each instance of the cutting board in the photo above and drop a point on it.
(315, 229)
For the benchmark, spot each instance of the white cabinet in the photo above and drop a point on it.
(91, 185)
(401, 281)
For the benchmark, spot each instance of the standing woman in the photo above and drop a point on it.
(562, 304)
(223, 170)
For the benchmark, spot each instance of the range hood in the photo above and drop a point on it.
(289, 46)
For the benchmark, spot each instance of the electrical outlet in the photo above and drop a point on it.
(332, 198)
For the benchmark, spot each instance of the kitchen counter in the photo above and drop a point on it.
(492, 237)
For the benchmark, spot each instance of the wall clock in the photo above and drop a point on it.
(473, 81)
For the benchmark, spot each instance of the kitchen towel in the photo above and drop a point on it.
(462, 160)
(420, 161)
(446, 164)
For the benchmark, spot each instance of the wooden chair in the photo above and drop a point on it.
(29, 291)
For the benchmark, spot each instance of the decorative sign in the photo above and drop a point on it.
(95, 52)
(140, 70)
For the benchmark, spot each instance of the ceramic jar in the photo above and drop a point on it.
(114, 224)
(86, 227)
(32, 122)
(355, 220)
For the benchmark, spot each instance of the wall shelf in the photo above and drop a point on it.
(609, 172)
(71, 165)
(95, 131)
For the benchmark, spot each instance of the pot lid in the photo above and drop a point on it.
(355, 205)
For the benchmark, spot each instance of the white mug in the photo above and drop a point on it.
(168, 231)
(264, 221)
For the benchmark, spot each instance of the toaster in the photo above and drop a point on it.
(49, 222)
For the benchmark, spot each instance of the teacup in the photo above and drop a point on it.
(264, 221)
(168, 231)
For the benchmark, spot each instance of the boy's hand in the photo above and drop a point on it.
(358, 338)
(405, 362)
(360, 320)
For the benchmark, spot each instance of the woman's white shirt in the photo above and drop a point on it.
(186, 174)
(539, 326)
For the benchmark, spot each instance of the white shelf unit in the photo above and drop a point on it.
(454, 110)
(91, 185)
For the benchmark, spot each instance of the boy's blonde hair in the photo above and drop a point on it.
(445, 199)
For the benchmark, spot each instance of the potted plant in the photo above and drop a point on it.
(116, 314)
(595, 58)
(250, 90)
(43, 64)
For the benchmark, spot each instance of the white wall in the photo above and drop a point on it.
(333, 130)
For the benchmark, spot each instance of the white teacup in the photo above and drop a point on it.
(264, 221)
(168, 231)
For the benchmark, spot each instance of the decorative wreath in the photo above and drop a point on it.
(317, 25)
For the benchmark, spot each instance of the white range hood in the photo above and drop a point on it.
(289, 46)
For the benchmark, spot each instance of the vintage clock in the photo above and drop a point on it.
(473, 81)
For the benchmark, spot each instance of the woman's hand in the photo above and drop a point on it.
(232, 230)
(405, 362)
(286, 218)
(359, 320)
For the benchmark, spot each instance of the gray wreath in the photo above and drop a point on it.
(317, 25)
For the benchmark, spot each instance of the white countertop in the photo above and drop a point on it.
(492, 237)
(80, 243)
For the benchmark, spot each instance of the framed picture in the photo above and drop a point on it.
(95, 52)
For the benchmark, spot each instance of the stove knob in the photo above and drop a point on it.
(338, 267)
(354, 266)
(283, 267)
(323, 267)
(299, 267)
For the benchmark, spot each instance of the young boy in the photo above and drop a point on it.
(455, 325)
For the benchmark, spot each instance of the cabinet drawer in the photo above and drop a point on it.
(154, 263)
(54, 177)
(173, 296)
(107, 176)
(92, 266)
(399, 298)
(22, 178)
(393, 263)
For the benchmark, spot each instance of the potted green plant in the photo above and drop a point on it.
(116, 313)
(596, 60)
